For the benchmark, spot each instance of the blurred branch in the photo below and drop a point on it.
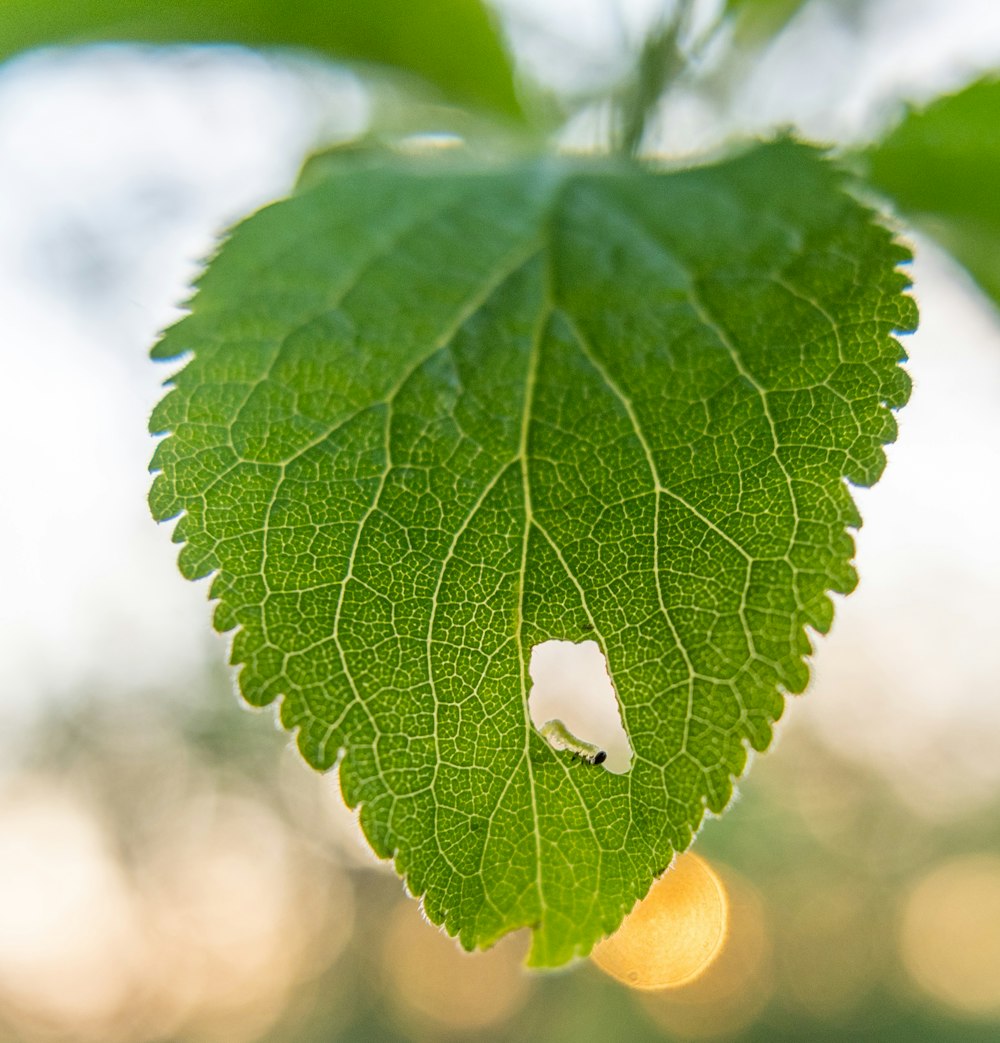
(671, 51)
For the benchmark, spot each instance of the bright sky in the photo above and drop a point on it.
(117, 169)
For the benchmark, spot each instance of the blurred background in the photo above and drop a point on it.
(171, 870)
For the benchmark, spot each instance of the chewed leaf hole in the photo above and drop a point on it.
(570, 684)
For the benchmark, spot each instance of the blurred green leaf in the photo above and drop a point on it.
(452, 44)
(439, 414)
(942, 167)
(757, 20)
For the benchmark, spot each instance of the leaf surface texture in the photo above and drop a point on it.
(437, 414)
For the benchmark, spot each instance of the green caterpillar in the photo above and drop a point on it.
(560, 738)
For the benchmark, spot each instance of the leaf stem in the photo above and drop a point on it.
(660, 62)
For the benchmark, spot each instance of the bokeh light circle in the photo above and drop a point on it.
(674, 934)
(437, 989)
(950, 934)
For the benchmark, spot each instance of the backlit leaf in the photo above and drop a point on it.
(437, 414)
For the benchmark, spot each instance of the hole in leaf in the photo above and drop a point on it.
(570, 683)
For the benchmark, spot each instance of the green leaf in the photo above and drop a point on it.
(758, 20)
(942, 167)
(437, 415)
(452, 44)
